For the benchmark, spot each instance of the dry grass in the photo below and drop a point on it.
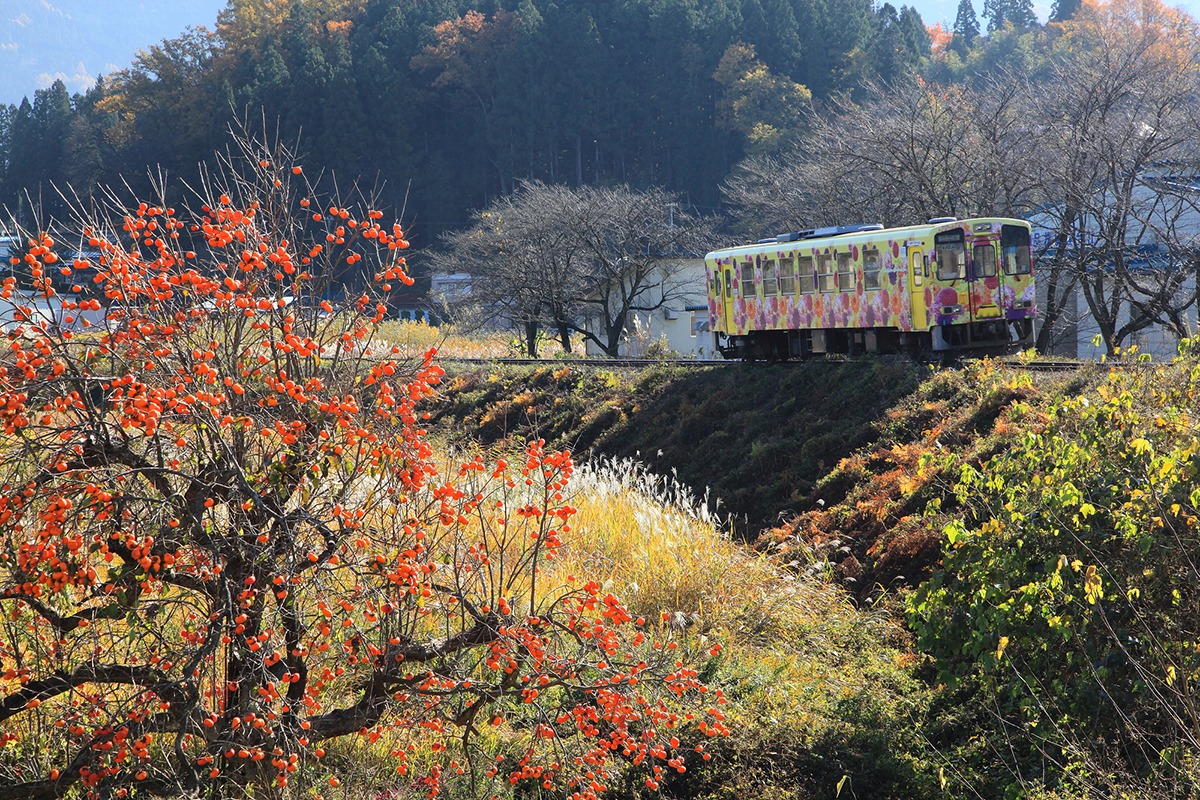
(415, 338)
(664, 552)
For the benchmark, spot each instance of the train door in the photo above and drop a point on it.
(1016, 273)
(916, 284)
(984, 279)
(728, 279)
(949, 279)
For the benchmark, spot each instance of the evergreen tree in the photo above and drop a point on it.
(890, 58)
(966, 24)
(1064, 10)
(270, 88)
(1021, 14)
(7, 114)
(83, 160)
(995, 12)
(1018, 12)
(39, 131)
(22, 169)
(344, 141)
(847, 32)
(308, 67)
(915, 34)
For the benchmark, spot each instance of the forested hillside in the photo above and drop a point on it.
(451, 102)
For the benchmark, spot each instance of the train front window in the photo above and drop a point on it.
(871, 268)
(808, 280)
(985, 260)
(845, 272)
(770, 279)
(748, 279)
(787, 276)
(826, 277)
(1014, 242)
(951, 251)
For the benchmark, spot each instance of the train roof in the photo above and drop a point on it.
(854, 233)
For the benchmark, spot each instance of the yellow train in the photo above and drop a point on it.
(948, 285)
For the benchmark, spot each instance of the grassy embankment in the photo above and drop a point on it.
(861, 461)
(984, 583)
(756, 437)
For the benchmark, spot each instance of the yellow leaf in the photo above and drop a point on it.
(1000, 647)
(1093, 585)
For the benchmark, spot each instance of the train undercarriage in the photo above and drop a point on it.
(990, 337)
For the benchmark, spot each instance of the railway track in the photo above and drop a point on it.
(1046, 366)
(589, 363)
(638, 363)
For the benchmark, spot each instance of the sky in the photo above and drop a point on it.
(77, 40)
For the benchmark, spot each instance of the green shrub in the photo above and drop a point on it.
(1068, 600)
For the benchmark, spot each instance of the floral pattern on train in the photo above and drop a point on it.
(886, 306)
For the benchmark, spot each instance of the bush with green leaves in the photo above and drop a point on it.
(1066, 610)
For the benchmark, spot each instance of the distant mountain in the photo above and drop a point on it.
(77, 40)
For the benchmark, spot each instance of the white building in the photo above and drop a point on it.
(1165, 199)
(679, 326)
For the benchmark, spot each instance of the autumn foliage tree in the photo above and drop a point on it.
(225, 539)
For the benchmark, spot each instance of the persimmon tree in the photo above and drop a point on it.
(225, 539)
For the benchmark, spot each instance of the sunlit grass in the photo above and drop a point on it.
(415, 338)
(665, 552)
(800, 662)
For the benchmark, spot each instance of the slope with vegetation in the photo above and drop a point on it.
(1035, 531)
(759, 437)
(984, 586)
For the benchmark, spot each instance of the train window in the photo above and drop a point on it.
(845, 272)
(805, 276)
(770, 279)
(728, 284)
(951, 251)
(985, 260)
(826, 277)
(871, 268)
(1014, 241)
(918, 266)
(787, 275)
(748, 279)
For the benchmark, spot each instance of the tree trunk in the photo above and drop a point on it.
(531, 337)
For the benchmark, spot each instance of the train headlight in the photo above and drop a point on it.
(951, 309)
